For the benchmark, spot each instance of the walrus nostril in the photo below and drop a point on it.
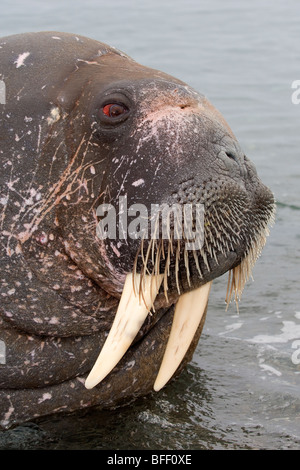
(232, 156)
(239, 159)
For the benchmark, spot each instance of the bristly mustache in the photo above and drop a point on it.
(160, 256)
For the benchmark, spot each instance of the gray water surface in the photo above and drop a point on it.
(242, 390)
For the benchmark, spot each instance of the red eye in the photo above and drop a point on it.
(114, 110)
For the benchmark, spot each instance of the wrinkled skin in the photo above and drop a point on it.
(62, 156)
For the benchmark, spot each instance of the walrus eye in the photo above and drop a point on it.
(114, 110)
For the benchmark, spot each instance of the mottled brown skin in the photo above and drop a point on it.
(61, 156)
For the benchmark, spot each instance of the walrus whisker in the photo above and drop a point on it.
(154, 237)
(157, 265)
(147, 256)
(187, 269)
(197, 263)
(166, 283)
(163, 249)
(153, 252)
(134, 273)
(141, 289)
(168, 224)
(215, 256)
(171, 243)
(227, 298)
(169, 258)
(239, 275)
(177, 265)
(204, 257)
(167, 270)
(142, 249)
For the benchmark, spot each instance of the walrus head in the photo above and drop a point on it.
(144, 197)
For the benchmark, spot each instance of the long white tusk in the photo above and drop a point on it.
(187, 317)
(131, 314)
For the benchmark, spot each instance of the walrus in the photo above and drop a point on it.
(97, 306)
